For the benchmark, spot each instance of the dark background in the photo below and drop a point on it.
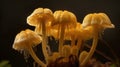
(13, 14)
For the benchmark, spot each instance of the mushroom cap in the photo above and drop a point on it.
(64, 18)
(39, 15)
(98, 20)
(54, 33)
(73, 32)
(79, 32)
(26, 39)
(87, 33)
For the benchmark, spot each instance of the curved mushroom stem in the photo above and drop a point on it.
(92, 50)
(44, 42)
(32, 53)
(61, 40)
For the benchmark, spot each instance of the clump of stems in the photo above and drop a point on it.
(62, 25)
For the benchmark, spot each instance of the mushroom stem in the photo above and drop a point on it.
(32, 53)
(44, 42)
(92, 50)
(73, 41)
(38, 29)
(58, 35)
(61, 40)
(79, 43)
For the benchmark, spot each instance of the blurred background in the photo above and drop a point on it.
(13, 14)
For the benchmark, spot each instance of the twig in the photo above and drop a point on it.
(99, 52)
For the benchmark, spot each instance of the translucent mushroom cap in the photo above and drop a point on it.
(26, 39)
(65, 18)
(97, 19)
(39, 15)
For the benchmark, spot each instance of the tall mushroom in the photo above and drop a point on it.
(25, 41)
(41, 19)
(99, 22)
(64, 20)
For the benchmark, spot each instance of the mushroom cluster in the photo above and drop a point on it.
(62, 25)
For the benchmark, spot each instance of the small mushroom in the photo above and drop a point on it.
(66, 51)
(80, 35)
(25, 41)
(41, 19)
(82, 56)
(64, 20)
(53, 57)
(99, 22)
(75, 51)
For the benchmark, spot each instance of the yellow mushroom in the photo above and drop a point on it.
(53, 57)
(25, 41)
(78, 34)
(63, 20)
(41, 19)
(66, 51)
(99, 22)
(82, 56)
(75, 51)
(73, 33)
(39, 16)
(83, 35)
